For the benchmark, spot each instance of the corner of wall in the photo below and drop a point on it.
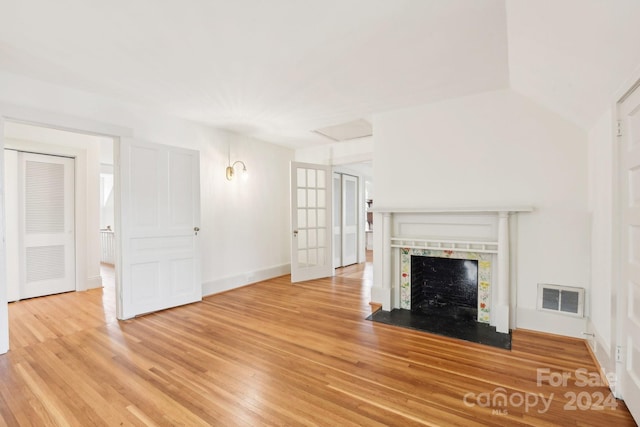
(94, 282)
(602, 353)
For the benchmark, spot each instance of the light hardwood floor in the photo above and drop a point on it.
(274, 353)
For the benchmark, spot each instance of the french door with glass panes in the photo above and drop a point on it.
(311, 230)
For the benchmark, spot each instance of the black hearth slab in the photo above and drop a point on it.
(481, 333)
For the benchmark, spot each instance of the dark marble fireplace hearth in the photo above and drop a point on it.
(464, 329)
(444, 301)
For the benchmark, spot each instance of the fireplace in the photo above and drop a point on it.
(480, 235)
(447, 232)
(447, 292)
(454, 284)
(447, 287)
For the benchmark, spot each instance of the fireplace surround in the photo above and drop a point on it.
(481, 234)
(484, 276)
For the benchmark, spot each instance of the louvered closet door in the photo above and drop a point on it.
(47, 261)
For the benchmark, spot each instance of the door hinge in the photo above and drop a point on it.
(619, 353)
(619, 128)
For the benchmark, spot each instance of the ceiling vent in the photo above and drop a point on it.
(346, 131)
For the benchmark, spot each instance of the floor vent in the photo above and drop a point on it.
(561, 299)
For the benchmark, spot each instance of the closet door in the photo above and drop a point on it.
(337, 220)
(350, 214)
(46, 224)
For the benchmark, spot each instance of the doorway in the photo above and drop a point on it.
(353, 194)
(346, 219)
(81, 152)
(107, 219)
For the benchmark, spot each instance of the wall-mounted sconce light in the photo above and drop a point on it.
(231, 169)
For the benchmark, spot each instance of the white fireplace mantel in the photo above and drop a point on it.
(388, 236)
(456, 209)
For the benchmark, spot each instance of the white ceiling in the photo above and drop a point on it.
(574, 56)
(278, 69)
(273, 69)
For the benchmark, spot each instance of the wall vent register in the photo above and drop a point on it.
(561, 299)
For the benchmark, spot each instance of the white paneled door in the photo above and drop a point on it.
(311, 256)
(629, 113)
(159, 222)
(46, 224)
(350, 216)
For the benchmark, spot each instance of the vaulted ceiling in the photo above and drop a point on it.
(279, 69)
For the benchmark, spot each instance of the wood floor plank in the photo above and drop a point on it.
(276, 353)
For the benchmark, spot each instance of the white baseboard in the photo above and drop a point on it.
(232, 282)
(94, 282)
(551, 323)
(604, 354)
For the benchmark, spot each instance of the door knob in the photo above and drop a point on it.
(196, 229)
(295, 233)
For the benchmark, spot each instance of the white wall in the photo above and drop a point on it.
(497, 149)
(12, 224)
(246, 222)
(244, 229)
